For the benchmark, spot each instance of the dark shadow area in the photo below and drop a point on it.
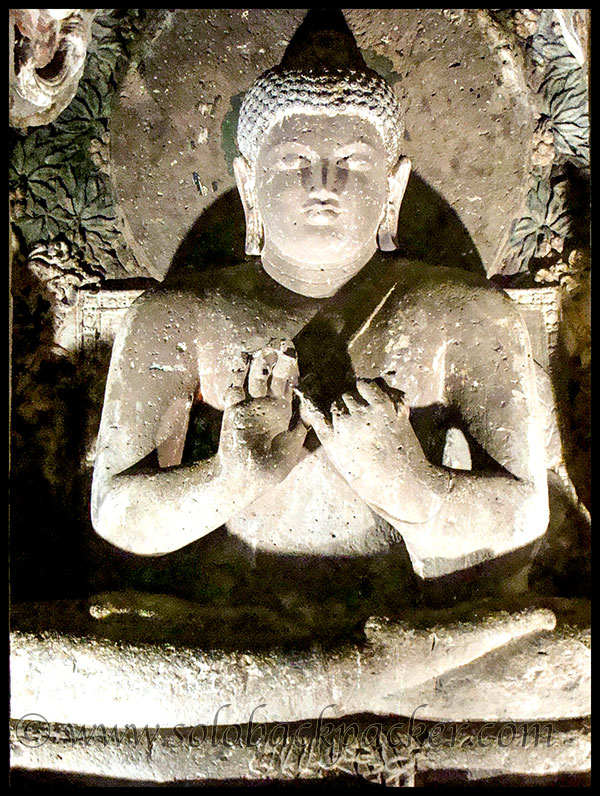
(50, 391)
(572, 384)
(215, 594)
(23, 778)
(464, 779)
(562, 566)
(35, 778)
(215, 240)
(431, 231)
(483, 580)
(56, 405)
(49, 485)
(578, 200)
(211, 600)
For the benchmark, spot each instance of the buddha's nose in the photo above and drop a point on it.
(324, 179)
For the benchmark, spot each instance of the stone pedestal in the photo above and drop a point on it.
(491, 693)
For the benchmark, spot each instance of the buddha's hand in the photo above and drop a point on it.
(369, 440)
(261, 437)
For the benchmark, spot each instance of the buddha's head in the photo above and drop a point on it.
(320, 174)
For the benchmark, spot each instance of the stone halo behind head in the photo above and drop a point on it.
(322, 72)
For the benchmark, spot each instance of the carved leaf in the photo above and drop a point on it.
(564, 89)
(42, 190)
(522, 228)
(52, 227)
(93, 100)
(105, 59)
(557, 215)
(68, 179)
(537, 200)
(62, 216)
(57, 158)
(43, 173)
(523, 240)
(32, 228)
(571, 143)
(17, 163)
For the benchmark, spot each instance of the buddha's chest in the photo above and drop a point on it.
(400, 347)
(233, 330)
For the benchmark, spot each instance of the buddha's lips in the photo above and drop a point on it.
(322, 206)
(321, 214)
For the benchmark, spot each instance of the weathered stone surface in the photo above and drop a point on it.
(84, 681)
(519, 679)
(406, 751)
(467, 115)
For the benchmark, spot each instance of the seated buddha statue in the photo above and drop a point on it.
(336, 374)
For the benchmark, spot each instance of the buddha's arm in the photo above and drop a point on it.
(476, 517)
(153, 510)
(492, 382)
(142, 508)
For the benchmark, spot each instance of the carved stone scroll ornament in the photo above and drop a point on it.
(61, 277)
(47, 50)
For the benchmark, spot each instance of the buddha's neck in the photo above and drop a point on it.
(317, 280)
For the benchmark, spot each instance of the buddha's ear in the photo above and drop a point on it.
(244, 177)
(397, 181)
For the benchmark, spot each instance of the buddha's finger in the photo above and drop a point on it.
(372, 393)
(281, 388)
(258, 376)
(239, 373)
(284, 374)
(236, 392)
(352, 403)
(312, 417)
(234, 395)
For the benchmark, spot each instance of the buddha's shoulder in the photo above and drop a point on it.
(441, 288)
(188, 294)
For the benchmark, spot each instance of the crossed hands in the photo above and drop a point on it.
(263, 432)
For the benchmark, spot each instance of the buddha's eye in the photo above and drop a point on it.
(293, 162)
(354, 163)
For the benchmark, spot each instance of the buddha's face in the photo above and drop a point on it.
(321, 188)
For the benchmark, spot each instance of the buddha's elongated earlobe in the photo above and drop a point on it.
(244, 177)
(397, 181)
